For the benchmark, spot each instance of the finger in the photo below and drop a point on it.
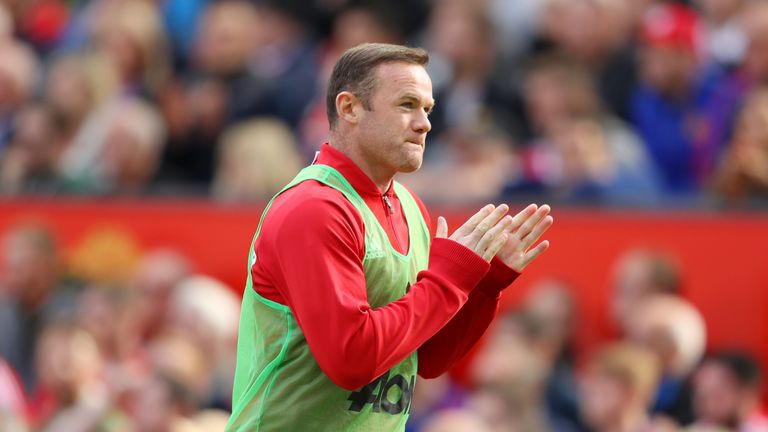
(534, 253)
(442, 228)
(495, 246)
(537, 232)
(489, 222)
(471, 223)
(523, 216)
(532, 221)
(492, 235)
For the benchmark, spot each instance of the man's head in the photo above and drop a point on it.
(726, 388)
(670, 327)
(670, 39)
(637, 274)
(28, 263)
(355, 71)
(379, 97)
(618, 385)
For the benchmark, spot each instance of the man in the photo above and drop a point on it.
(346, 299)
(727, 393)
(618, 386)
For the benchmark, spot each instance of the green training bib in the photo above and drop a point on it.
(279, 385)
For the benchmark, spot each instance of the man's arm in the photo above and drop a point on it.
(311, 251)
(462, 332)
(455, 340)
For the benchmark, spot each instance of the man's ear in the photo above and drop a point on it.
(348, 107)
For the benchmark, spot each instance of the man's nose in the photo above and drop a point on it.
(421, 123)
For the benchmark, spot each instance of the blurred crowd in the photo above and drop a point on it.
(630, 102)
(123, 342)
(139, 341)
(657, 375)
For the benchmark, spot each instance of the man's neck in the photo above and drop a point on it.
(382, 179)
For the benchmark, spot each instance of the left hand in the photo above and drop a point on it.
(526, 228)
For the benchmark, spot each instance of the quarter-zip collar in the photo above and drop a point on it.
(355, 176)
(386, 207)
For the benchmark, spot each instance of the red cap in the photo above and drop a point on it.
(671, 26)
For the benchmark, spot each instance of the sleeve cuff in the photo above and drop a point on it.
(457, 263)
(499, 277)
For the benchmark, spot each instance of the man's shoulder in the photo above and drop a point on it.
(310, 194)
(310, 203)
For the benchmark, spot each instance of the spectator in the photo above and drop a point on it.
(207, 311)
(118, 151)
(466, 77)
(71, 395)
(727, 41)
(727, 393)
(581, 151)
(106, 313)
(552, 303)
(156, 405)
(195, 112)
(76, 85)
(618, 386)
(29, 281)
(30, 161)
(673, 330)
(18, 77)
(510, 373)
(578, 164)
(158, 274)
(598, 35)
(730, 92)
(228, 35)
(672, 93)
(638, 274)
(130, 34)
(743, 174)
(265, 55)
(473, 166)
(176, 355)
(256, 159)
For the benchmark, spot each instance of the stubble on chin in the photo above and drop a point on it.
(413, 162)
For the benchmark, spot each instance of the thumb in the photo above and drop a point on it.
(442, 228)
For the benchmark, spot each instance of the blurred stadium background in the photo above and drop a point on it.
(140, 140)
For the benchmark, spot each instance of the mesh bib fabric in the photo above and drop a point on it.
(279, 385)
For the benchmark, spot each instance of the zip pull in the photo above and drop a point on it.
(389, 204)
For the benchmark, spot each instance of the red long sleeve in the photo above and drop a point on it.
(455, 340)
(310, 252)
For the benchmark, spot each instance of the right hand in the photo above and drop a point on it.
(484, 233)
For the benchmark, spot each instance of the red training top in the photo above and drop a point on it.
(310, 252)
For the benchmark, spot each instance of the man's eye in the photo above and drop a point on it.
(407, 104)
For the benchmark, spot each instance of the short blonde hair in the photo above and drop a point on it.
(634, 366)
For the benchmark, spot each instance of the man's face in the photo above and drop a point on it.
(604, 399)
(717, 396)
(668, 70)
(394, 130)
